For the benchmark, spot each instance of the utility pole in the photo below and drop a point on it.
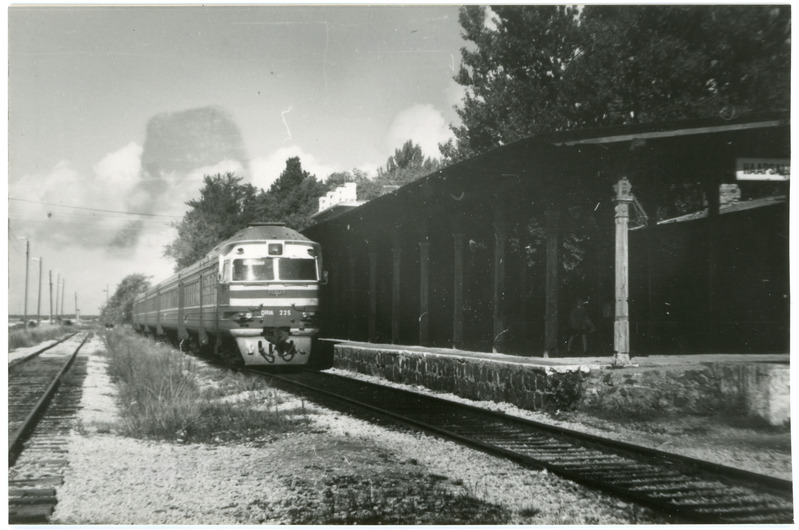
(27, 261)
(63, 287)
(57, 293)
(51, 296)
(39, 302)
(77, 316)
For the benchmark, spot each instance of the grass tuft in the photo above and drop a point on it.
(20, 339)
(162, 396)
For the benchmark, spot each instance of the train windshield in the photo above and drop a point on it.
(253, 270)
(297, 269)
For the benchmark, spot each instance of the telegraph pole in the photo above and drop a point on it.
(51, 296)
(57, 293)
(77, 316)
(27, 261)
(63, 286)
(39, 302)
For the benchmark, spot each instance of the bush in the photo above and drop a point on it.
(22, 339)
(161, 396)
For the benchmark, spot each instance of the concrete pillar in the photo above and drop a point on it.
(552, 217)
(621, 323)
(396, 260)
(372, 296)
(457, 290)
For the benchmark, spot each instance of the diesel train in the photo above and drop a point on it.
(253, 298)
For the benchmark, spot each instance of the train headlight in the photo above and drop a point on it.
(244, 317)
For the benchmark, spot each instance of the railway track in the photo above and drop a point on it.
(39, 352)
(44, 394)
(686, 489)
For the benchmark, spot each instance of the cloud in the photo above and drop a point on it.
(421, 123)
(120, 168)
(97, 209)
(67, 207)
(265, 170)
(491, 21)
(179, 149)
(454, 94)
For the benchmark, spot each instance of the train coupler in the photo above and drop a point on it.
(268, 355)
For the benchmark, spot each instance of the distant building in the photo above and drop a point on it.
(338, 201)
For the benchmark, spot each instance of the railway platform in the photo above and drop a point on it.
(751, 385)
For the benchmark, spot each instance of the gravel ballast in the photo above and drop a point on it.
(333, 470)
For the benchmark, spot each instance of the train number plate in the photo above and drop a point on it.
(275, 312)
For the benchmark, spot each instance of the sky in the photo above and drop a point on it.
(117, 113)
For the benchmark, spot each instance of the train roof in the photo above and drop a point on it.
(257, 231)
(254, 232)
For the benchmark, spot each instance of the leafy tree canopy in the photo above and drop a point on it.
(407, 164)
(292, 198)
(548, 68)
(119, 308)
(225, 206)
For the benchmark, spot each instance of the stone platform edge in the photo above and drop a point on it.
(755, 389)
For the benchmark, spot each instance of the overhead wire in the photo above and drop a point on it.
(94, 209)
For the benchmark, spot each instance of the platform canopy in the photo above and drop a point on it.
(491, 252)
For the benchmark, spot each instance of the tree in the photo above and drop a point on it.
(654, 63)
(407, 164)
(225, 206)
(512, 75)
(293, 197)
(119, 308)
(550, 68)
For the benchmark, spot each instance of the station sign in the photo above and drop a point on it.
(762, 168)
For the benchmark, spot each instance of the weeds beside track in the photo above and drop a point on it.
(164, 394)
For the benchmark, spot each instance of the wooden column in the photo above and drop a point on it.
(457, 290)
(424, 292)
(621, 323)
(523, 302)
(552, 217)
(352, 304)
(713, 235)
(396, 259)
(500, 236)
(373, 295)
(423, 230)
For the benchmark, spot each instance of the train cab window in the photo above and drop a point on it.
(253, 270)
(297, 269)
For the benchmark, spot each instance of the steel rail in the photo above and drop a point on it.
(624, 469)
(31, 420)
(17, 362)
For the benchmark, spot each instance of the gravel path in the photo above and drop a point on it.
(336, 470)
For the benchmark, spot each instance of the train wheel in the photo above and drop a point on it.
(228, 351)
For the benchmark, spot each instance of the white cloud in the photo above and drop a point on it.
(68, 207)
(491, 19)
(454, 94)
(265, 170)
(185, 188)
(120, 168)
(423, 124)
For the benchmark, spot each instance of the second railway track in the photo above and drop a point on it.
(43, 397)
(687, 489)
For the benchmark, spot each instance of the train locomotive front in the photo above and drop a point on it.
(254, 297)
